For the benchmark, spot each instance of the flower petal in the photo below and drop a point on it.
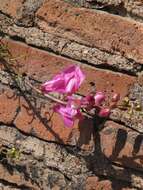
(99, 98)
(68, 114)
(55, 85)
(69, 122)
(66, 82)
(104, 112)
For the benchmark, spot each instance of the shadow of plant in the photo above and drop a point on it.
(96, 161)
(33, 106)
(106, 167)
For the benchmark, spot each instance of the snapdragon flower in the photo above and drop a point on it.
(67, 82)
(74, 107)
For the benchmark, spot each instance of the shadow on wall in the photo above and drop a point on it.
(97, 161)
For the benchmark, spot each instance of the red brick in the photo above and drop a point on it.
(16, 178)
(132, 8)
(98, 29)
(8, 105)
(95, 183)
(53, 130)
(11, 7)
(91, 183)
(42, 66)
(122, 145)
(28, 122)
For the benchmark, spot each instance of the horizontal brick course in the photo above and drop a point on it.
(105, 46)
(69, 48)
(99, 29)
(127, 8)
(42, 65)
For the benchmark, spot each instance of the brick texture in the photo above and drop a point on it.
(16, 178)
(122, 145)
(35, 62)
(11, 7)
(127, 8)
(30, 118)
(99, 29)
(8, 105)
(107, 44)
(94, 183)
(21, 11)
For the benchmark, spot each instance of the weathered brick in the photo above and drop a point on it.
(70, 48)
(54, 130)
(42, 65)
(16, 178)
(22, 11)
(8, 105)
(33, 118)
(122, 145)
(96, 183)
(53, 155)
(115, 143)
(98, 29)
(131, 116)
(11, 7)
(128, 8)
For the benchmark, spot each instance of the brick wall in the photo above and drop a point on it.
(105, 38)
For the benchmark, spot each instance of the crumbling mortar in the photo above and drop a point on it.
(64, 50)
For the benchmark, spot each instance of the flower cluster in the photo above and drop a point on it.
(67, 83)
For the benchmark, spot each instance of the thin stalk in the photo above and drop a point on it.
(46, 95)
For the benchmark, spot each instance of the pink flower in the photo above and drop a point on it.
(74, 101)
(104, 112)
(68, 81)
(68, 113)
(99, 98)
(88, 101)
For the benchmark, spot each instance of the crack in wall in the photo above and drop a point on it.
(13, 185)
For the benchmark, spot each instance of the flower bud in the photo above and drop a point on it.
(90, 99)
(99, 98)
(104, 112)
